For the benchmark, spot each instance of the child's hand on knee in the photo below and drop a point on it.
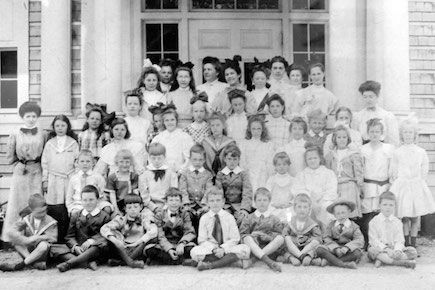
(78, 250)
(180, 249)
(173, 254)
(219, 252)
(397, 254)
(86, 245)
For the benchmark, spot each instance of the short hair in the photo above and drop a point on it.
(310, 147)
(167, 112)
(299, 121)
(280, 59)
(410, 122)
(213, 61)
(319, 65)
(262, 191)
(344, 109)
(278, 98)
(316, 114)
(235, 94)
(232, 150)
(156, 149)
(28, 107)
(85, 152)
(264, 131)
(259, 68)
(197, 148)
(214, 190)
(302, 198)
(371, 86)
(221, 117)
(119, 121)
(281, 156)
(173, 192)
(134, 94)
(36, 200)
(373, 123)
(336, 130)
(124, 154)
(132, 198)
(388, 195)
(91, 188)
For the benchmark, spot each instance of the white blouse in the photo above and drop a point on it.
(138, 128)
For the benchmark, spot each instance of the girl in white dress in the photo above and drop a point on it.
(320, 183)
(256, 152)
(295, 149)
(149, 86)
(260, 91)
(176, 142)
(409, 168)
(199, 128)
(182, 91)
(139, 127)
(237, 122)
(296, 75)
(280, 185)
(277, 126)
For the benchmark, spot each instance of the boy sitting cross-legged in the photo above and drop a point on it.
(131, 234)
(32, 236)
(386, 240)
(343, 240)
(218, 236)
(302, 235)
(261, 230)
(175, 232)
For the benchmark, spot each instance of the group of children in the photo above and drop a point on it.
(216, 175)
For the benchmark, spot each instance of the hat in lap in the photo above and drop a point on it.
(347, 203)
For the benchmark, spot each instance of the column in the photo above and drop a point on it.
(56, 57)
(108, 53)
(345, 50)
(388, 51)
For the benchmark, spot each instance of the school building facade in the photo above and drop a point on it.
(65, 53)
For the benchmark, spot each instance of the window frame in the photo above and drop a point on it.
(10, 110)
(143, 9)
(326, 10)
(235, 10)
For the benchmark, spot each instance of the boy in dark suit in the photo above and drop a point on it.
(343, 240)
(32, 236)
(83, 238)
(175, 232)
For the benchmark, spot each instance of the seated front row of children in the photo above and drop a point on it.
(168, 237)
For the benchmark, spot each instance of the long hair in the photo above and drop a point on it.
(69, 131)
(264, 132)
(176, 85)
(147, 71)
(101, 129)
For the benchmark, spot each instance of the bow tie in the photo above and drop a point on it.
(33, 131)
(201, 97)
(173, 215)
(135, 221)
(159, 174)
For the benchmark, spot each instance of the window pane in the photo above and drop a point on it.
(268, 4)
(153, 4)
(246, 4)
(153, 37)
(8, 64)
(224, 4)
(170, 4)
(316, 58)
(170, 37)
(202, 4)
(8, 94)
(173, 56)
(301, 59)
(300, 4)
(317, 4)
(300, 42)
(154, 57)
(317, 37)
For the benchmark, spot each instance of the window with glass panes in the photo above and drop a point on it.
(308, 5)
(159, 4)
(8, 79)
(161, 41)
(236, 4)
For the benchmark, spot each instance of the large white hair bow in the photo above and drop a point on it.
(147, 63)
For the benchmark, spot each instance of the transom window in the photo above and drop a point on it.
(159, 4)
(8, 79)
(236, 4)
(161, 41)
(308, 5)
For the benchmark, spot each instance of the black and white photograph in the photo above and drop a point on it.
(217, 144)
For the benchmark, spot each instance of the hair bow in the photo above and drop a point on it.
(200, 97)
(107, 117)
(236, 93)
(168, 107)
(188, 64)
(147, 63)
(156, 109)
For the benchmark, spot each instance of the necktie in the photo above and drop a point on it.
(159, 174)
(173, 215)
(231, 174)
(196, 171)
(88, 216)
(340, 228)
(217, 230)
(33, 131)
